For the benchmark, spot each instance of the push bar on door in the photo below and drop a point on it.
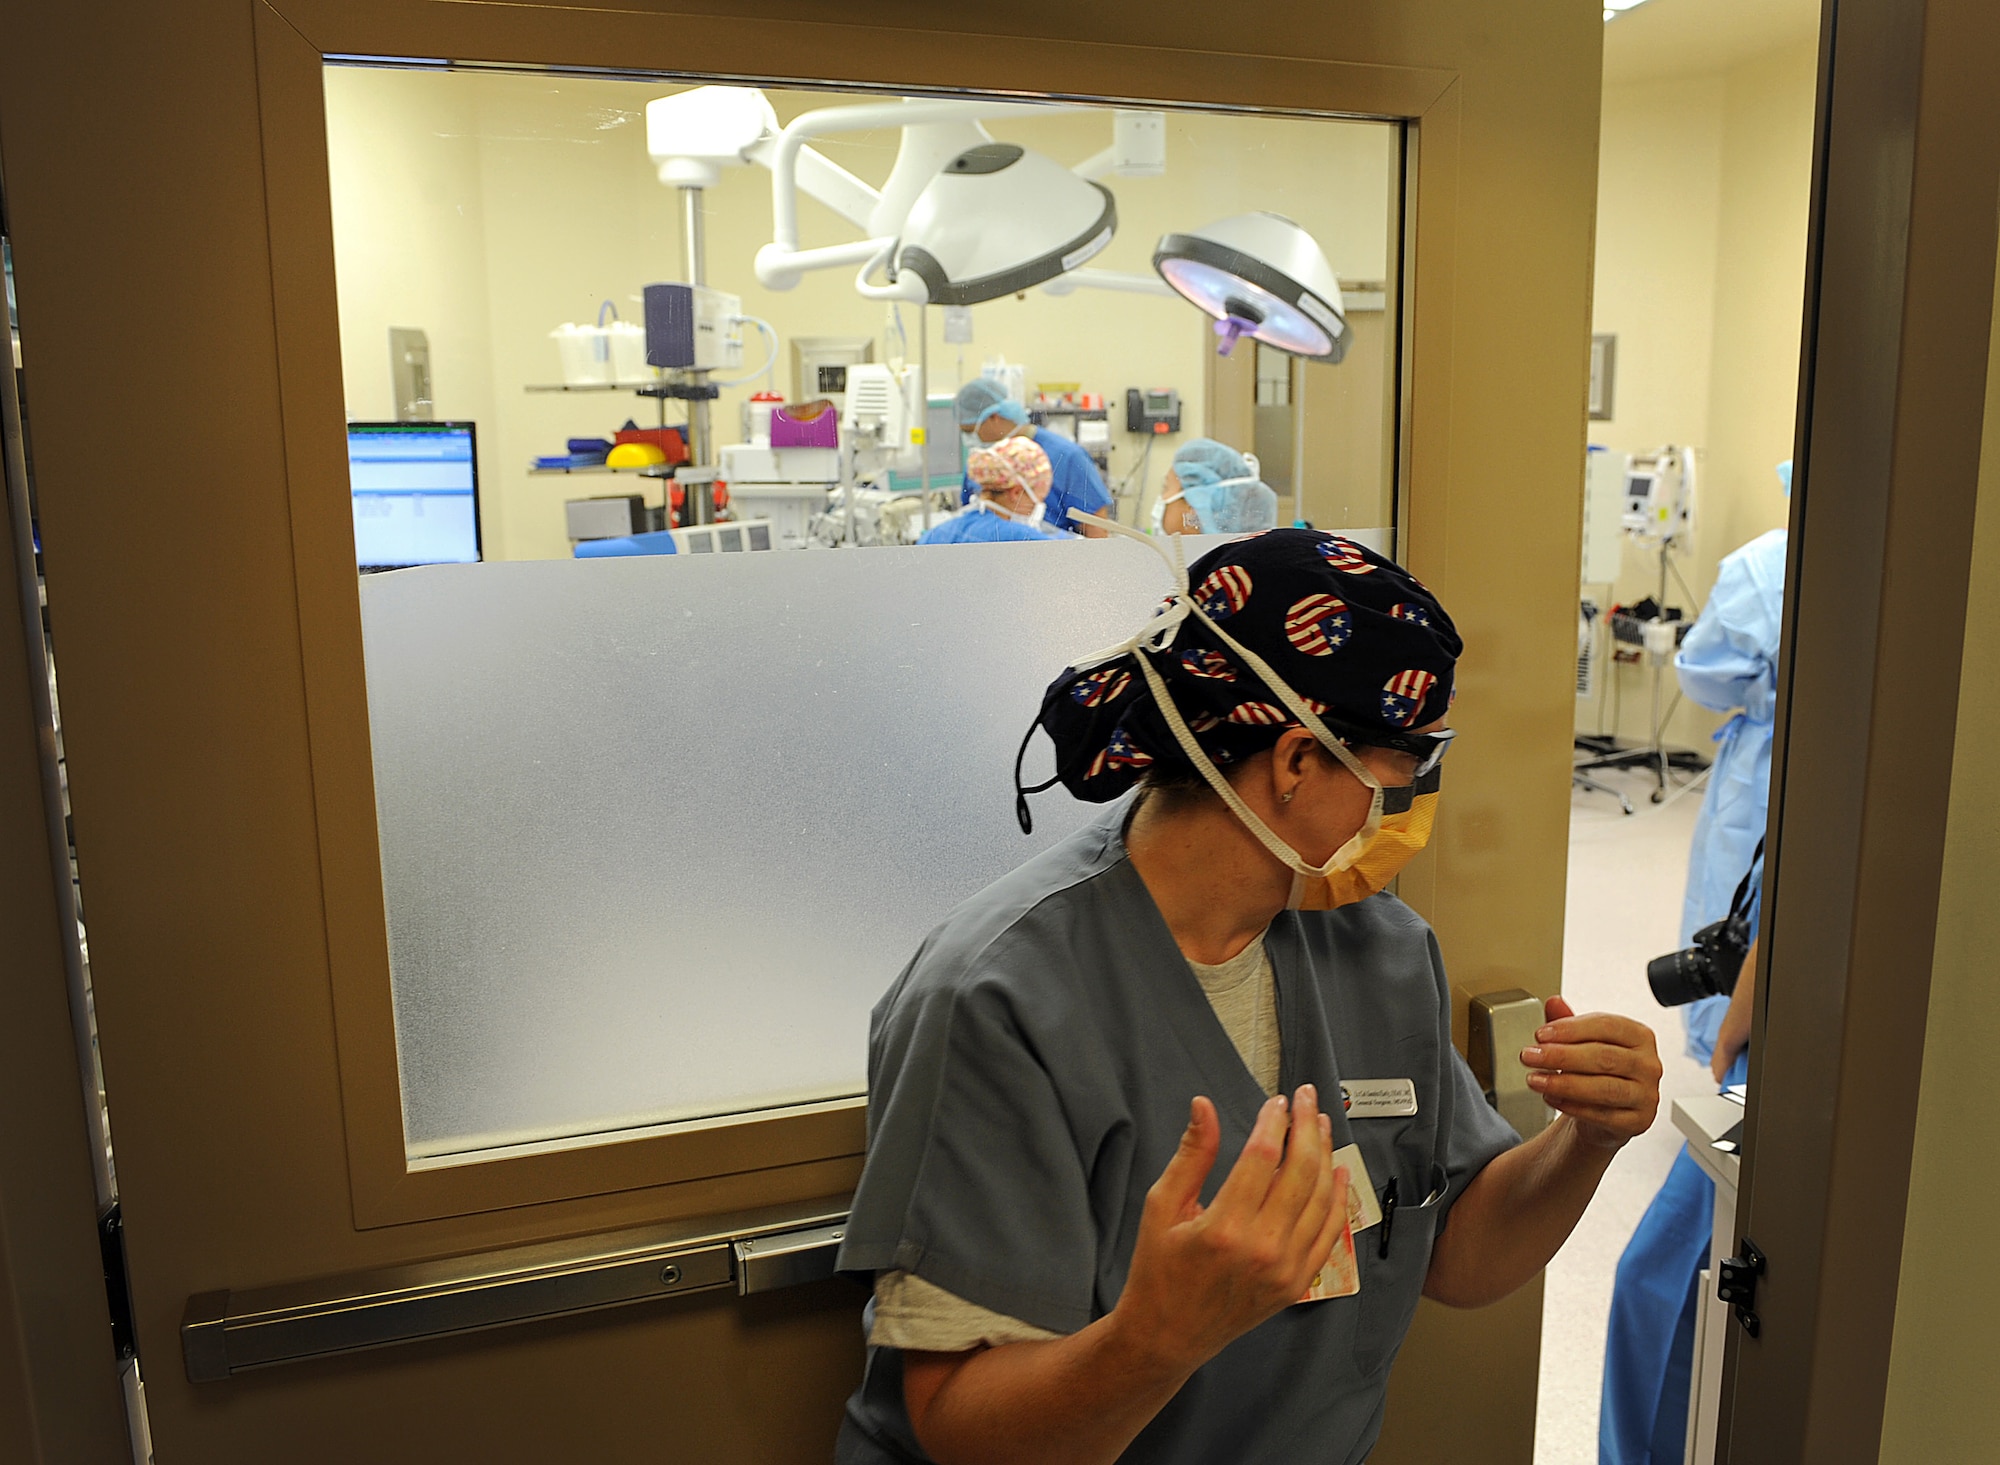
(224, 1333)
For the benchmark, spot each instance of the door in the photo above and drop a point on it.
(175, 245)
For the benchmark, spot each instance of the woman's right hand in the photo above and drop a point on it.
(1202, 1277)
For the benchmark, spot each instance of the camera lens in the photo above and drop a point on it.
(1681, 977)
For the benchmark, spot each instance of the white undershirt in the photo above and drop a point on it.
(1244, 993)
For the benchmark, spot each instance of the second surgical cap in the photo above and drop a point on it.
(1013, 462)
(983, 397)
(1204, 460)
(1218, 485)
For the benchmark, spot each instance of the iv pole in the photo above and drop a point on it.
(1654, 753)
(924, 399)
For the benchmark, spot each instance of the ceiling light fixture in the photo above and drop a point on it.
(998, 219)
(1259, 275)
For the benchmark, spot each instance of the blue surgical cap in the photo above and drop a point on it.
(1203, 460)
(1785, 476)
(983, 397)
(1217, 483)
(1233, 506)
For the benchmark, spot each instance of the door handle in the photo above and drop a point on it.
(1498, 1026)
(228, 1332)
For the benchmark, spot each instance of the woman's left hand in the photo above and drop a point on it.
(1600, 1069)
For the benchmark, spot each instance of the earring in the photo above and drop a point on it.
(1285, 798)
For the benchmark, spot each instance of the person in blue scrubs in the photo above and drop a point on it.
(1119, 1100)
(989, 415)
(1728, 663)
(1013, 481)
(1211, 489)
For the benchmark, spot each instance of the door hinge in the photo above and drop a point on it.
(117, 1289)
(1736, 1284)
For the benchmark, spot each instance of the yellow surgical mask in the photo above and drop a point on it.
(1395, 842)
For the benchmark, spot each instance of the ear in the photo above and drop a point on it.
(1290, 757)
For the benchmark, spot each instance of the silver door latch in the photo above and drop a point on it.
(1498, 1026)
(786, 1259)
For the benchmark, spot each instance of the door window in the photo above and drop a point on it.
(658, 829)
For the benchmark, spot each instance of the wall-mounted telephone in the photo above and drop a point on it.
(1152, 409)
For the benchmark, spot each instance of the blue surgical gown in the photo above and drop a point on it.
(1073, 480)
(981, 526)
(1728, 663)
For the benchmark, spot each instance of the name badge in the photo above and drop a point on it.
(1379, 1098)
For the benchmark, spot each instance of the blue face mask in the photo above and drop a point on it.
(1192, 523)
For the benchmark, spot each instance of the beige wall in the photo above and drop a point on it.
(408, 236)
(1941, 1404)
(488, 208)
(1703, 189)
(1759, 300)
(1659, 204)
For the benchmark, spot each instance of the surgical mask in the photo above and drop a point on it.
(1160, 505)
(1399, 820)
(1408, 815)
(1037, 518)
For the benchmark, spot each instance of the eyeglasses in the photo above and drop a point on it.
(1427, 748)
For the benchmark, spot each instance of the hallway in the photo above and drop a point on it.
(1626, 877)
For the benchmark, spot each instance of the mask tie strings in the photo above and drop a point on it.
(1159, 631)
(1276, 847)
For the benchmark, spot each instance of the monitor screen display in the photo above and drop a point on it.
(416, 493)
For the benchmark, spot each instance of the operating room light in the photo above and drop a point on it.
(1259, 275)
(998, 219)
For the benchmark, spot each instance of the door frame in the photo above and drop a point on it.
(60, 1397)
(1899, 291)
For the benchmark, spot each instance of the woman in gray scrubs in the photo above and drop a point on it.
(1166, 1126)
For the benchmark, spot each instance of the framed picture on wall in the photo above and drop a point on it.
(1603, 372)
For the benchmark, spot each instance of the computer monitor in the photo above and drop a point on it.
(416, 493)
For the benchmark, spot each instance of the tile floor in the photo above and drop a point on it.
(1625, 881)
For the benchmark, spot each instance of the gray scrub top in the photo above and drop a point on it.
(1029, 1078)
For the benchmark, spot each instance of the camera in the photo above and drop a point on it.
(1706, 969)
(1709, 968)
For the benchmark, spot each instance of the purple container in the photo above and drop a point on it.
(821, 431)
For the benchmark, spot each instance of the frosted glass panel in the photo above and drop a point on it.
(657, 832)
